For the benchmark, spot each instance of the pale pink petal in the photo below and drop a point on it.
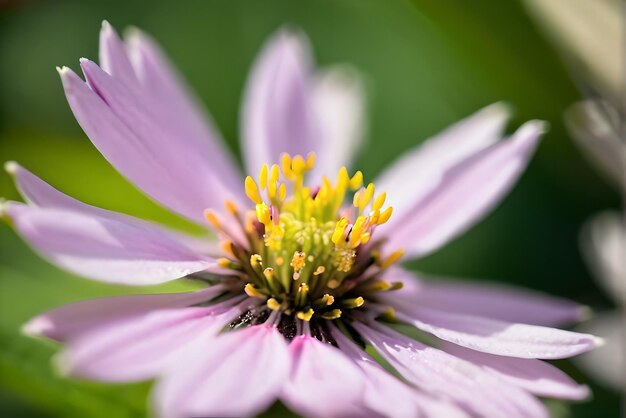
(324, 381)
(339, 104)
(467, 192)
(385, 394)
(39, 193)
(176, 106)
(535, 376)
(114, 57)
(105, 249)
(449, 377)
(238, 374)
(491, 300)
(69, 321)
(498, 337)
(419, 171)
(277, 113)
(139, 347)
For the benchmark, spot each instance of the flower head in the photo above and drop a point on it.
(305, 271)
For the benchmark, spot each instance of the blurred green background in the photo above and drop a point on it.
(426, 64)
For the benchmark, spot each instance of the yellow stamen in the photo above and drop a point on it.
(319, 270)
(273, 304)
(252, 191)
(385, 215)
(256, 260)
(297, 261)
(231, 207)
(268, 273)
(211, 217)
(252, 291)
(263, 214)
(379, 202)
(224, 262)
(305, 316)
(334, 314)
(395, 256)
(263, 177)
(353, 303)
(356, 181)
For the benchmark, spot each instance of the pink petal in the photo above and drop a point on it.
(69, 321)
(419, 171)
(113, 56)
(324, 381)
(491, 300)
(498, 337)
(139, 347)
(339, 104)
(277, 113)
(39, 193)
(382, 389)
(448, 377)
(467, 192)
(105, 249)
(238, 374)
(535, 376)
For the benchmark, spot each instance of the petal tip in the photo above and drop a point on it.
(598, 342)
(36, 327)
(585, 313)
(11, 167)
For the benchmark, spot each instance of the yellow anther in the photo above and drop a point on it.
(282, 192)
(396, 286)
(310, 160)
(353, 303)
(272, 188)
(305, 316)
(252, 191)
(302, 295)
(395, 256)
(356, 181)
(366, 196)
(327, 299)
(343, 179)
(274, 173)
(379, 201)
(252, 291)
(389, 315)
(340, 228)
(376, 286)
(297, 261)
(227, 247)
(231, 207)
(279, 261)
(334, 314)
(385, 215)
(333, 284)
(256, 260)
(273, 304)
(357, 232)
(365, 238)
(298, 164)
(263, 177)
(263, 214)
(285, 165)
(319, 270)
(374, 217)
(211, 217)
(224, 262)
(268, 273)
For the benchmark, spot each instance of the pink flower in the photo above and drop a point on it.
(301, 280)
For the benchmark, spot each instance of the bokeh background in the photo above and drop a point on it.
(425, 64)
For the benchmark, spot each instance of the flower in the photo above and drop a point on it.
(306, 273)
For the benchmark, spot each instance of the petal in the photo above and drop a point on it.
(382, 389)
(411, 177)
(339, 104)
(238, 374)
(39, 193)
(324, 381)
(499, 337)
(604, 245)
(467, 192)
(176, 106)
(607, 363)
(139, 347)
(595, 125)
(105, 249)
(446, 376)
(277, 113)
(535, 376)
(69, 321)
(491, 300)
(114, 57)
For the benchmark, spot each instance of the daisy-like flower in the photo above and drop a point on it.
(306, 272)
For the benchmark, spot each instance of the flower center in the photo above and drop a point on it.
(305, 253)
